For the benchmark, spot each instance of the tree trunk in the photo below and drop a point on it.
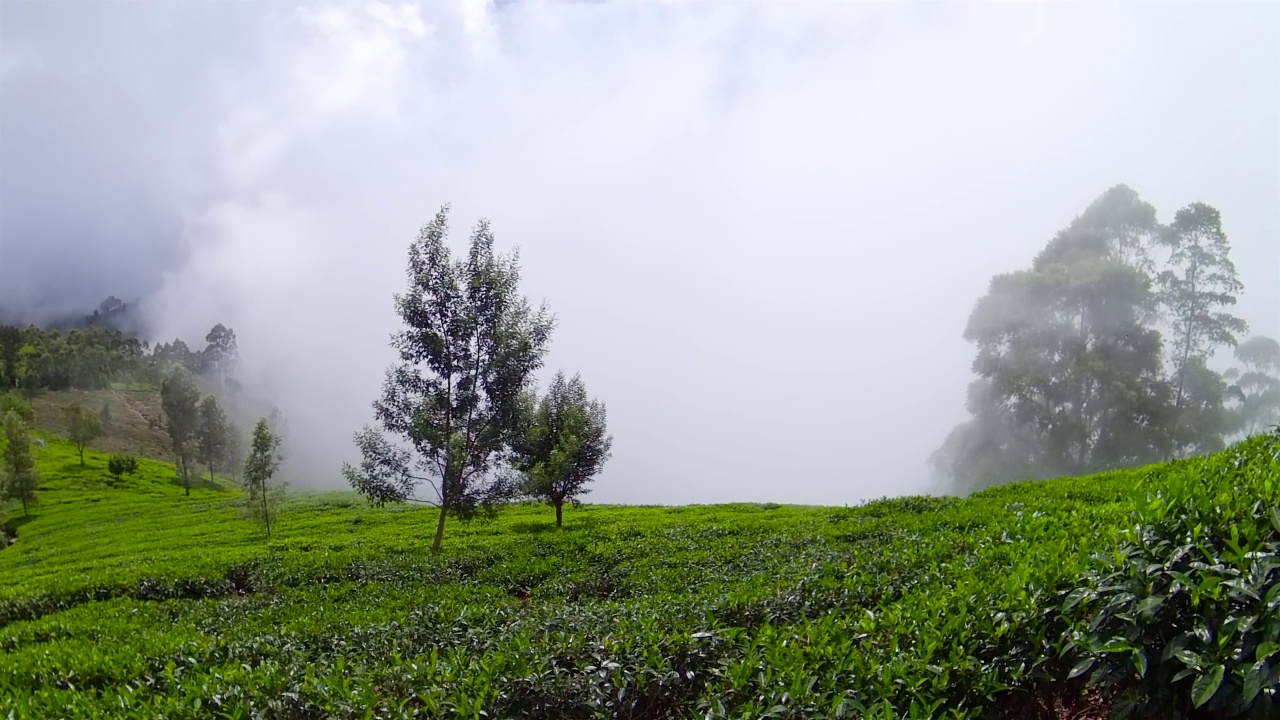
(24, 507)
(559, 505)
(435, 544)
(266, 511)
(211, 480)
(186, 479)
(81, 449)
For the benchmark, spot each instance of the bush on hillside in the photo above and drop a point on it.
(119, 465)
(13, 402)
(1186, 612)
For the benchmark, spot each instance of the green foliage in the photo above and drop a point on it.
(136, 602)
(468, 349)
(1074, 374)
(19, 478)
(83, 427)
(1186, 611)
(565, 443)
(1257, 385)
(120, 465)
(180, 398)
(213, 434)
(264, 458)
(13, 403)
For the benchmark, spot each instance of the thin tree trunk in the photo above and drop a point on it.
(211, 480)
(81, 448)
(24, 507)
(435, 544)
(266, 512)
(559, 504)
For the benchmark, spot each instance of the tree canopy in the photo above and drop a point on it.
(469, 345)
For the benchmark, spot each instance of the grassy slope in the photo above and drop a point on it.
(134, 601)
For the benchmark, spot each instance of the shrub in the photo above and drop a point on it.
(1186, 612)
(119, 465)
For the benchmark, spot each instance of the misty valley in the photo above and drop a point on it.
(625, 360)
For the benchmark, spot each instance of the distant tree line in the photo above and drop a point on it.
(460, 425)
(91, 358)
(1100, 355)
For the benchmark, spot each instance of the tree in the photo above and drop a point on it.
(264, 458)
(10, 344)
(222, 354)
(83, 427)
(1198, 282)
(1069, 373)
(179, 399)
(469, 346)
(1257, 385)
(565, 443)
(19, 479)
(212, 434)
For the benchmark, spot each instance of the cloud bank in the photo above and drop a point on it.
(762, 227)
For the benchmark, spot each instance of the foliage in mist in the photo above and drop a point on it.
(1098, 356)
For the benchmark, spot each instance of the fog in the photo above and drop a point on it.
(762, 227)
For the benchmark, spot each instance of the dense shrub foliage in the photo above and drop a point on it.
(133, 601)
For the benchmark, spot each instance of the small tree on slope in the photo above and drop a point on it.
(468, 348)
(263, 460)
(179, 397)
(565, 444)
(212, 434)
(83, 427)
(18, 476)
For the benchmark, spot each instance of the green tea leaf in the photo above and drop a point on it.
(1081, 668)
(1206, 685)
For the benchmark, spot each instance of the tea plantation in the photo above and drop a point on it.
(1148, 593)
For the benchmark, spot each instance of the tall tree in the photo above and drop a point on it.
(565, 443)
(1257, 385)
(19, 479)
(1069, 373)
(222, 354)
(261, 464)
(1199, 281)
(212, 434)
(180, 398)
(83, 427)
(10, 345)
(469, 346)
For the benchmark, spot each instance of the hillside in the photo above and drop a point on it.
(130, 600)
(133, 426)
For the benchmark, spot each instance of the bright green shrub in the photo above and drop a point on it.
(1185, 613)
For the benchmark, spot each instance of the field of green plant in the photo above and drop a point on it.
(1154, 590)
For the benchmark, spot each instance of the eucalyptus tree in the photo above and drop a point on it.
(450, 407)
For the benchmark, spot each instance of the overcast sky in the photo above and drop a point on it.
(762, 226)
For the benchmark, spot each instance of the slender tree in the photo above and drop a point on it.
(1197, 285)
(180, 398)
(19, 479)
(83, 427)
(469, 346)
(10, 345)
(222, 354)
(565, 443)
(212, 434)
(1256, 386)
(261, 464)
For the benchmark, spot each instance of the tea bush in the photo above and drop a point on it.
(135, 602)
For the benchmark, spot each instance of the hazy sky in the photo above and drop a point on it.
(762, 226)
